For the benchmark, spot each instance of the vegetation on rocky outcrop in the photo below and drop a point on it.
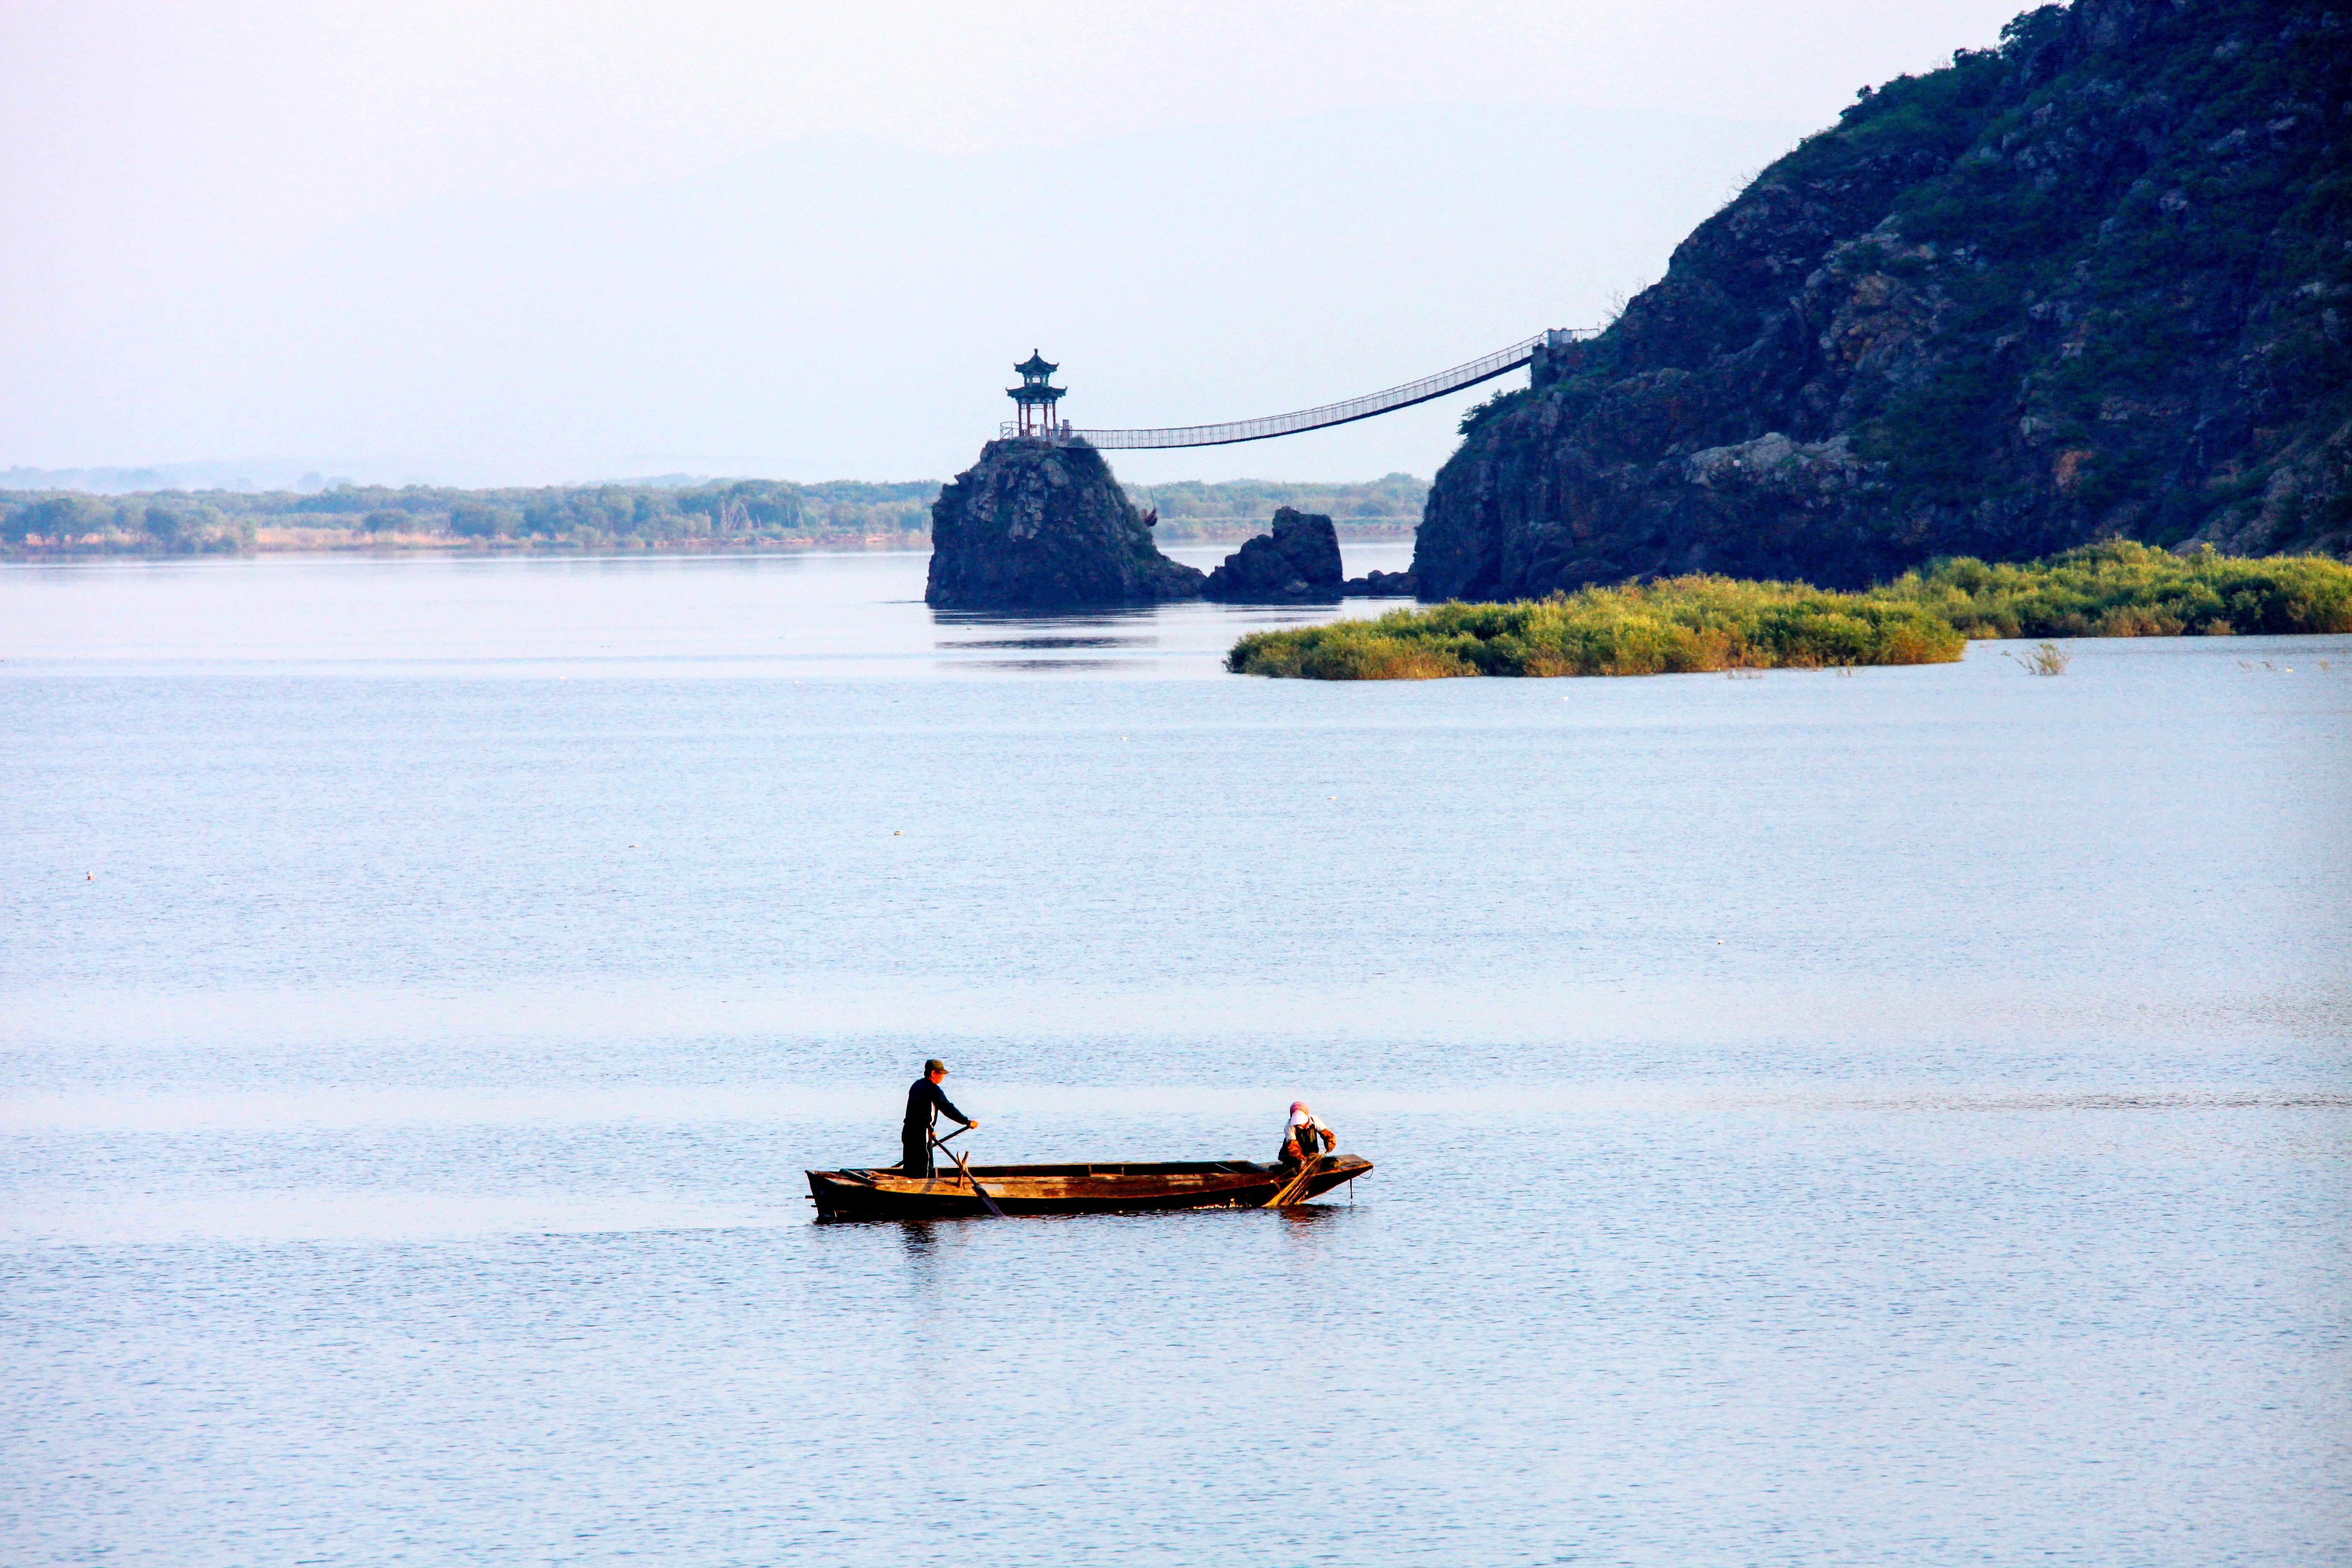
(2095, 283)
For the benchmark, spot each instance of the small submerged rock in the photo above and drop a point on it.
(1384, 585)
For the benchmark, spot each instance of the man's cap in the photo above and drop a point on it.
(935, 1065)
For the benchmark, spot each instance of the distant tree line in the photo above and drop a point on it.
(743, 510)
(739, 511)
(1192, 506)
(179, 523)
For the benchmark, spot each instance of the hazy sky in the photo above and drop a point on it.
(541, 241)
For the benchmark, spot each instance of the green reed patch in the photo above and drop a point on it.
(2116, 588)
(1683, 624)
(2122, 589)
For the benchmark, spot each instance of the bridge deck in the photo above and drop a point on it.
(1364, 407)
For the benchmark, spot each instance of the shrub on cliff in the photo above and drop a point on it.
(1680, 626)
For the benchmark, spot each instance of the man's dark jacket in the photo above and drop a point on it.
(923, 1098)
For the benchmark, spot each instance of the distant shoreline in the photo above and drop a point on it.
(342, 542)
(757, 515)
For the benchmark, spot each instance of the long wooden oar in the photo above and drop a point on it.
(965, 1166)
(1290, 1192)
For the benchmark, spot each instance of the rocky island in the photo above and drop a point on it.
(1037, 524)
(1041, 525)
(2094, 283)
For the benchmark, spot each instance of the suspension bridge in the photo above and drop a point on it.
(1037, 396)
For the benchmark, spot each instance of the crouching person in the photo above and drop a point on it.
(1305, 1136)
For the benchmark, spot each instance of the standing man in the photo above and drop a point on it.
(924, 1104)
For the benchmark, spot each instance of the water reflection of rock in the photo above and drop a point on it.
(1049, 642)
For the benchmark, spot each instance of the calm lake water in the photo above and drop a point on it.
(1896, 1118)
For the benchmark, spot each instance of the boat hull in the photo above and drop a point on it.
(1071, 1189)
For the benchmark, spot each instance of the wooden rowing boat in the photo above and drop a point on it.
(1075, 1189)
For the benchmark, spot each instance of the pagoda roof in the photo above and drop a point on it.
(1036, 365)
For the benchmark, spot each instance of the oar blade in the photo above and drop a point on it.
(965, 1166)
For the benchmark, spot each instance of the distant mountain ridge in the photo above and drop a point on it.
(2092, 283)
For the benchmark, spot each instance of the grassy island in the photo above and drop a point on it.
(1684, 625)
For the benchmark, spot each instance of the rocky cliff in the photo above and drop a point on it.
(1038, 526)
(2095, 282)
